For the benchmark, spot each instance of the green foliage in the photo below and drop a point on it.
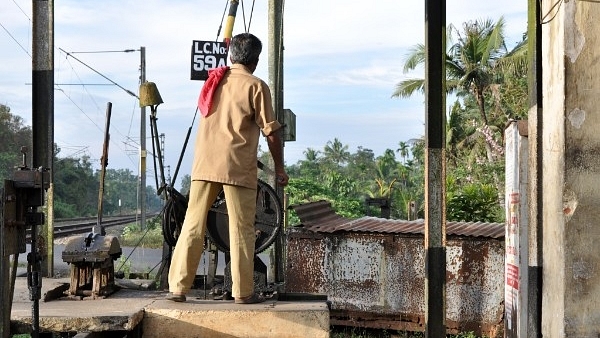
(150, 237)
(474, 203)
(305, 190)
(75, 188)
(121, 185)
(65, 210)
(123, 265)
(76, 184)
(13, 135)
(186, 182)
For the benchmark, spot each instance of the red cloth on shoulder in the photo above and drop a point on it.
(215, 76)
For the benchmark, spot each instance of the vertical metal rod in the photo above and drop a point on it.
(34, 282)
(227, 34)
(142, 195)
(99, 229)
(156, 147)
(5, 283)
(435, 164)
(536, 190)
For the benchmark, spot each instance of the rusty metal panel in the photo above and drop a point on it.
(304, 267)
(375, 273)
(475, 284)
(382, 275)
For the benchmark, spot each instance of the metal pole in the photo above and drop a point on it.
(43, 107)
(227, 34)
(536, 170)
(143, 153)
(435, 167)
(6, 283)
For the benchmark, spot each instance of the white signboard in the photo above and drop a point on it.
(516, 240)
(207, 55)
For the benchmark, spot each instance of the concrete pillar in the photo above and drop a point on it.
(571, 169)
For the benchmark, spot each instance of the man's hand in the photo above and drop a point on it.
(274, 143)
(282, 178)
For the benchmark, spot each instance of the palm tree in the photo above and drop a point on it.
(336, 152)
(403, 150)
(461, 134)
(472, 65)
(387, 165)
(387, 174)
(311, 155)
(310, 165)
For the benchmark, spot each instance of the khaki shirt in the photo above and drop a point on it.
(227, 141)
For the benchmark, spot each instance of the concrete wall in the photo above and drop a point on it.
(571, 165)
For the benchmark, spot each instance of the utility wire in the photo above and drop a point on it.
(107, 51)
(97, 72)
(113, 82)
(58, 87)
(22, 11)
(15, 40)
(222, 19)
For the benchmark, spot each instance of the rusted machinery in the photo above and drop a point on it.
(21, 198)
(268, 223)
(92, 256)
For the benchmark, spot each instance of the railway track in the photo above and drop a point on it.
(66, 227)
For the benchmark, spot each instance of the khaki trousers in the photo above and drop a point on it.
(241, 209)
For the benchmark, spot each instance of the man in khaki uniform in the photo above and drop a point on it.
(236, 107)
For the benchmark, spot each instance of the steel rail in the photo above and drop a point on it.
(66, 227)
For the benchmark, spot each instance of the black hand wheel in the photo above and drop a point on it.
(268, 221)
(173, 215)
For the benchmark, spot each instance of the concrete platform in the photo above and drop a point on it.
(205, 318)
(147, 312)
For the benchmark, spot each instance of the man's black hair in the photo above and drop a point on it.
(245, 49)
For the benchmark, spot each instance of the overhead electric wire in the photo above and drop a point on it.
(98, 107)
(106, 51)
(81, 83)
(14, 39)
(97, 72)
(22, 11)
(89, 118)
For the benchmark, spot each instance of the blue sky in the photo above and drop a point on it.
(342, 60)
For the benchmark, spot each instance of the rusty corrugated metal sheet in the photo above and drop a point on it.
(320, 217)
(378, 279)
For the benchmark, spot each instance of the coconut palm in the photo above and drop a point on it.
(336, 152)
(403, 150)
(311, 155)
(472, 65)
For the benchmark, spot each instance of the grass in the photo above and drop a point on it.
(151, 237)
(354, 332)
